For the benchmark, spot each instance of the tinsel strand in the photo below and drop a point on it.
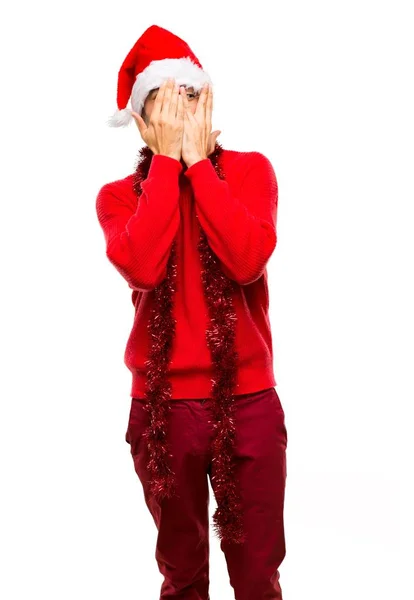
(220, 337)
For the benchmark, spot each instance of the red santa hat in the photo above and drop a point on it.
(157, 55)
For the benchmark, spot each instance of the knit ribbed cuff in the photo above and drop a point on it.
(202, 168)
(164, 166)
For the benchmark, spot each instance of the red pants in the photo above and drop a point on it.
(182, 550)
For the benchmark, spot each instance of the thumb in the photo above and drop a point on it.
(213, 137)
(140, 122)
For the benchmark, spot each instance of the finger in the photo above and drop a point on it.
(159, 100)
(201, 105)
(180, 107)
(174, 101)
(188, 113)
(167, 97)
(209, 108)
(183, 94)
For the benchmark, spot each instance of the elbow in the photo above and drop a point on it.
(138, 278)
(245, 275)
(253, 276)
(249, 269)
(160, 276)
(153, 282)
(257, 267)
(141, 285)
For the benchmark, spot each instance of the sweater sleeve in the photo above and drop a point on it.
(240, 230)
(139, 238)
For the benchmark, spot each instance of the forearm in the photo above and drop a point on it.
(138, 241)
(243, 240)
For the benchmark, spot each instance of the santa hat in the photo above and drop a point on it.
(157, 55)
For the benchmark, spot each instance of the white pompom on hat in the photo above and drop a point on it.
(157, 55)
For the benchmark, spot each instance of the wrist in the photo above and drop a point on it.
(194, 159)
(165, 166)
(168, 154)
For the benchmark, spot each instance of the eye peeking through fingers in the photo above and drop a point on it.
(191, 94)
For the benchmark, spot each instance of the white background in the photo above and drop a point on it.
(324, 89)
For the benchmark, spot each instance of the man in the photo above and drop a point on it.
(191, 231)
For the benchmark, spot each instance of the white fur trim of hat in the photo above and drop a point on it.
(183, 70)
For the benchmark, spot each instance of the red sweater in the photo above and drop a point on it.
(238, 216)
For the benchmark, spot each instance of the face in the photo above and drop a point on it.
(192, 98)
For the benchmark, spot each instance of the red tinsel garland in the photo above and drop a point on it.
(220, 338)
